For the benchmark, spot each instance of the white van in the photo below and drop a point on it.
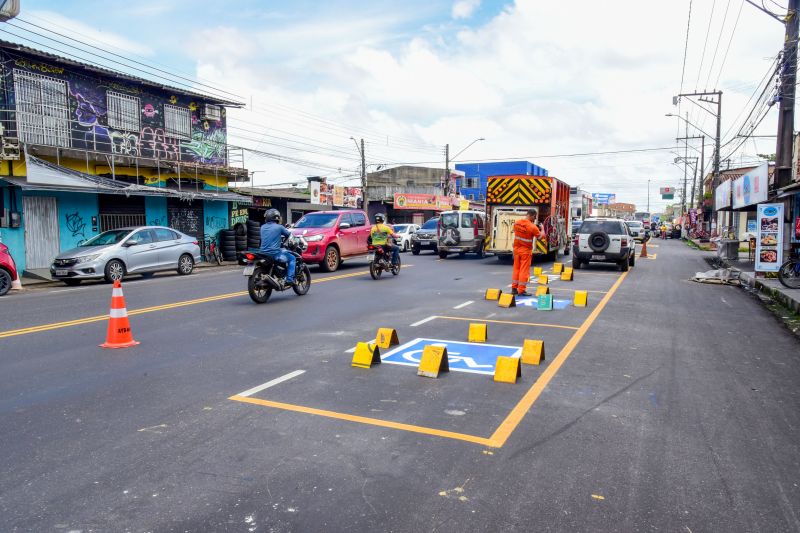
(461, 232)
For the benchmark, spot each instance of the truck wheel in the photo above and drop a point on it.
(566, 250)
(332, 259)
(442, 255)
(481, 253)
(415, 250)
(623, 265)
(577, 264)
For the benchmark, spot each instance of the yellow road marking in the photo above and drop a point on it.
(365, 420)
(506, 322)
(503, 432)
(164, 307)
(650, 256)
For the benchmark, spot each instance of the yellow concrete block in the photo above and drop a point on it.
(542, 289)
(558, 268)
(537, 271)
(386, 337)
(566, 275)
(493, 294)
(507, 300)
(543, 280)
(507, 369)
(581, 299)
(366, 355)
(478, 332)
(532, 351)
(433, 361)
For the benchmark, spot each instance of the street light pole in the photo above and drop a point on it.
(648, 198)
(448, 159)
(364, 196)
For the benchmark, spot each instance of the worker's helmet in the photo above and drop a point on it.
(380, 218)
(272, 215)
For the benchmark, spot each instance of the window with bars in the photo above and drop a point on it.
(42, 109)
(177, 122)
(123, 111)
(471, 183)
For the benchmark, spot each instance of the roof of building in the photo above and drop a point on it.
(6, 45)
(288, 193)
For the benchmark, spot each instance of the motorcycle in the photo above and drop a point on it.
(380, 260)
(265, 274)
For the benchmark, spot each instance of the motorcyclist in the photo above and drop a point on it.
(271, 234)
(380, 235)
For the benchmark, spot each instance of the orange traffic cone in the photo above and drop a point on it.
(119, 329)
(644, 249)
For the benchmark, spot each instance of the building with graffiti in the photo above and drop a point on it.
(85, 149)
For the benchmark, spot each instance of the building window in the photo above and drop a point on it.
(42, 109)
(177, 122)
(471, 183)
(123, 111)
(471, 196)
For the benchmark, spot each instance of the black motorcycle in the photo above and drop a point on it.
(265, 274)
(380, 260)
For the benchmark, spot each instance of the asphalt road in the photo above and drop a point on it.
(662, 406)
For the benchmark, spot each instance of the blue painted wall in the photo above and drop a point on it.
(155, 210)
(14, 238)
(75, 212)
(498, 168)
(216, 216)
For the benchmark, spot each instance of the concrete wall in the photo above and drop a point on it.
(14, 238)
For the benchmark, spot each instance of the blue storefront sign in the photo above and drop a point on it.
(462, 356)
(603, 198)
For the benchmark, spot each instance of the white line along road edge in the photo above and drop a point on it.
(415, 324)
(461, 306)
(269, 384)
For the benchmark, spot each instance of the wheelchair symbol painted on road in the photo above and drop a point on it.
(461, 356)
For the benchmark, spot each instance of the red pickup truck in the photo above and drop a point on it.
(333, 236)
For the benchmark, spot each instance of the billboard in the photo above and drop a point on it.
(769, 246)
(722, 195)
(667, 190)
(603, 198)
(751, 188)
(431, 202)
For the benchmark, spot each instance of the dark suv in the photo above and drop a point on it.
(425, 238)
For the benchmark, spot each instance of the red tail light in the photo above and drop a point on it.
(475, 226)
(249, 257)
(370, 247)
(196, 243)
(624, 243)
(439, 228)
(577, 240)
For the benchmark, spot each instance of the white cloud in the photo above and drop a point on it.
(463, 9)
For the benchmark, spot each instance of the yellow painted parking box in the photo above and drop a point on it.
(434, 361)
(386, 337)
(507, 369)
(478, 332)
(581, 299)
(533, 351)
(366, 355)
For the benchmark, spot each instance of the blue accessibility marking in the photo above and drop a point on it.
(462, 356)
(532, 301)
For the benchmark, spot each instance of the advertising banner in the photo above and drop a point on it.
(722, 195)
(325, 194)
(313, 189)
(667, 190)
(338, 196)
(430, 202)
(604, 198)
(769, 244)
(352, 197)
(692, 216)
(751, 188)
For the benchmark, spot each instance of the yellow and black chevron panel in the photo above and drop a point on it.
(541, 246)
(518, 190)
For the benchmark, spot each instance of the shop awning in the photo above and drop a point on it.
(46, 176)
(789, 190)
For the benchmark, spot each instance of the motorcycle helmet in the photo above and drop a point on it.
(380, 218)
(272, 215)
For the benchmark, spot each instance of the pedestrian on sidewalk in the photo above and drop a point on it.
(526, 230)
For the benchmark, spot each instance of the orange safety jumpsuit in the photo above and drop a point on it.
(525, 232)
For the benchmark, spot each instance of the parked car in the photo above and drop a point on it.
(576, 225)
(425, 237)
(636, 229)
(8, 269)
(461, 232)
(333, 236)
(605, 240)
(404, 233)
(116, 253)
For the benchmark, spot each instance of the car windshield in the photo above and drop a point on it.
(606, 226)
(107, 238)
(400, 228)
(634, 224)
(317, 220)
(431, 224)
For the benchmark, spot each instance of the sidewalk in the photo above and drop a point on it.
(771, 286)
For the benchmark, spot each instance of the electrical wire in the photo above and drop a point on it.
(719, 39)
(725, 56)
(705, 44)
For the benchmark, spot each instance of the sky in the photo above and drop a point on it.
(542, 81)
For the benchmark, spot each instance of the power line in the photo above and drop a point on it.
(705, 44)
(725, 57)
(719, 39)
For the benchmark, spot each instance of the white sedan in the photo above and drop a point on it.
(404, 232)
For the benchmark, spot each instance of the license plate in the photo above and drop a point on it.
(598, 257)
(426, 243)
(371, 257)
(248, 270)
(61, 272)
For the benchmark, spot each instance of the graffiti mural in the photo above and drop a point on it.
(159, 221)
(206, 141)
(76, 225)
(216, 223)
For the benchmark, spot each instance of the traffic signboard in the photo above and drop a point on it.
(461, 356)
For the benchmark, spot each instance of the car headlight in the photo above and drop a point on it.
(88, 258)
(315, 238)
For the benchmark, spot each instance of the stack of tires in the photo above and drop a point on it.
(253, 234)
(240, 230)
(227, 244)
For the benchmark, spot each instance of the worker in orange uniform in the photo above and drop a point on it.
(525, 231)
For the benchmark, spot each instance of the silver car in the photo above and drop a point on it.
(116, 253)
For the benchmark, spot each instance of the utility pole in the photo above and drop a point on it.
(648, 198)
(364, 195)
(685, 163)
(788, 73)
(446, 185)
